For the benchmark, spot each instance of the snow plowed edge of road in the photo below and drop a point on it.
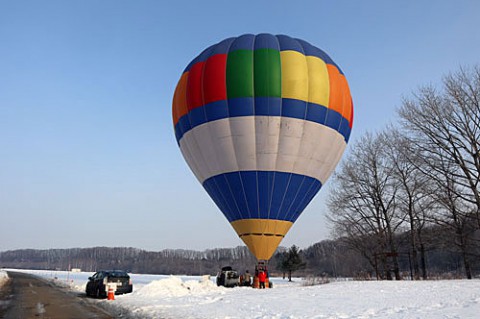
(3, 278)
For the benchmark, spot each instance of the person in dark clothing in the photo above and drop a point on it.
(247, 279)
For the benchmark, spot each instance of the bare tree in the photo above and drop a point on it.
(444, 127)
(414, 198)
(362, 204)
(456, 219)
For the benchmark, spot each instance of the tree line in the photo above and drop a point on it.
(168, 261)
(326, 259)
(416, 182)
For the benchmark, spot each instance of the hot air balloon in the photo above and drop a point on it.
(262, 121)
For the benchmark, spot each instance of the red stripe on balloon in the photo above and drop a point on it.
(214, 78)
(194, 86)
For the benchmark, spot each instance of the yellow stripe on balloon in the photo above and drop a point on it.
(294, 75)
(318, 82)
(262, 236)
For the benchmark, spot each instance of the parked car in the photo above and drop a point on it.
(97, 285)
(228, 277)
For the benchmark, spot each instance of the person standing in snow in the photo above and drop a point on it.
(262, 277)
(247, 279)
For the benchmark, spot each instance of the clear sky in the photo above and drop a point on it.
(88, 155)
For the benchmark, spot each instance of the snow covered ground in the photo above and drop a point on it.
(199, 297)
(3, 277)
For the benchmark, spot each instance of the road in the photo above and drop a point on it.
(29, 297)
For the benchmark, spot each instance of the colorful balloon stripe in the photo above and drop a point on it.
(262, 143)
(263, 107)
(261, 195)
(264, 66)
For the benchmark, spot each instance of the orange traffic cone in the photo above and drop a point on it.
(256, 282)
(111, 293)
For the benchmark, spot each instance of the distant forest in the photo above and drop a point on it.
(328, 258)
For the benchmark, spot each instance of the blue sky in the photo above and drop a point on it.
(87, 151)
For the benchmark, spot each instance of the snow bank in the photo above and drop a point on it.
(176, 287)
(3, 277)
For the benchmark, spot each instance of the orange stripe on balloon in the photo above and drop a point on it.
(179, 105)
(336, 96)
(346, 99)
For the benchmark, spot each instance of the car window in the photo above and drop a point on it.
(103, 274)
(117, 274)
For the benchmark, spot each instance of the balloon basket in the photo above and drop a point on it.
(259, 268)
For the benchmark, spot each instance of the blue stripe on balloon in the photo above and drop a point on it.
(243, 42)
(294, 108)
(197, 116)
(268, 106)
(291, 194)
(305, 187)
(261, 194)
(182, 127)
(264, 106)
(237, 189)
(264, 187)
(241, 106)
(266, 41)
(344, 128)
(316, 113)
(216, 110)
(333, 120)
(280, 184)
(287, 43)
(249, 182)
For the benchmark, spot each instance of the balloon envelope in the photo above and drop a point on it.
(262, 121)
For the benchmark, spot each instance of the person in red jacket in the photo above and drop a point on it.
(262, 277)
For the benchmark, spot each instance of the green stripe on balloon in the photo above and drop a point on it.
(268, 75)
(240, 74)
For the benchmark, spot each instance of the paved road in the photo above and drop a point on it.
(28, 297)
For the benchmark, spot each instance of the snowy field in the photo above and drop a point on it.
(172, 297)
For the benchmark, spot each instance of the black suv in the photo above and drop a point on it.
(97, 285)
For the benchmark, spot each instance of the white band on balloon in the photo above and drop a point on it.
(262, 143)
